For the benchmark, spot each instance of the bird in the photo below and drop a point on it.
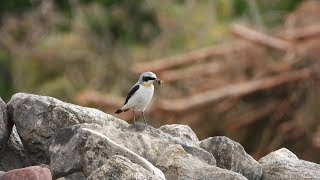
(140, 95)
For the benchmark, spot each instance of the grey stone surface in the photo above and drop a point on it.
(38, 117)
(119, 167)
(5, 125)
(90, 150)
(231, 155)
(201, 154)
(177, 164)
(96, 146)
(283, 164)
(64, 152)
(144, 140)
(182, 132)
(2, 173)
(14, 155)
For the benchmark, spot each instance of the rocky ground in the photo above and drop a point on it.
(44, 138)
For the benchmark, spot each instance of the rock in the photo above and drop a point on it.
(74, 176)
(177, 164)
(81, 142)
(2, 173)
(201, 154)
(64, 152)
(14, 155)
(182, 132)
(5, 125)
(94, 141)
(119, 167)
(231, 155)
(90, 150)
(28, 173)
(283, 164)
(278, 155)
(38, 117)
(144, 140)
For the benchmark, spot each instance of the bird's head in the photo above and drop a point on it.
(147, 78)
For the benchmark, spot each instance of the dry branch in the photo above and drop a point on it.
(260, 38)
(237, 90)
(301, 33)
(316, 138)
(250, 117)
(199, 70)
(187, 58)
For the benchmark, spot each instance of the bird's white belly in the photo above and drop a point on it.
(141, 98)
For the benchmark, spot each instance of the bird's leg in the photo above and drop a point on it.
(134, 117)
(144, 119)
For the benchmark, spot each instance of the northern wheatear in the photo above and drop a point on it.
(140, 95)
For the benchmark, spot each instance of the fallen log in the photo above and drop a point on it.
(236, 90)
(199, 70)
(195, 56)
(301, 33)
(236, 123)
(260, 38)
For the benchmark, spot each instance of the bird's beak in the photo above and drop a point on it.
(159, 81)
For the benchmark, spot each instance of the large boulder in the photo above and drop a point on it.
(182, 132)
(5, 125)
(38, 117)
(177, 164)
(144, 140)
(28, 173)
(147, 141)
(283, 164)
(79, 148)
(64, 152)
(14, 155)
(201, 154)
(119, 167)
(96, 146)
(231, 155)
(183, 135)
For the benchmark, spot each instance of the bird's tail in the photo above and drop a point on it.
(118, 111)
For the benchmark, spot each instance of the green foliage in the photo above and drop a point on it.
(14, 6)
(271, 11)
(124, 20)
(240, 7)
(6, 84)
(279, 5)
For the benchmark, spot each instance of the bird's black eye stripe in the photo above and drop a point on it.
(147, 78)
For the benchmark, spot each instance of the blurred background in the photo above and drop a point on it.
(246, 69)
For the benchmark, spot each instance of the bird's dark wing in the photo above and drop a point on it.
(132, 91)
